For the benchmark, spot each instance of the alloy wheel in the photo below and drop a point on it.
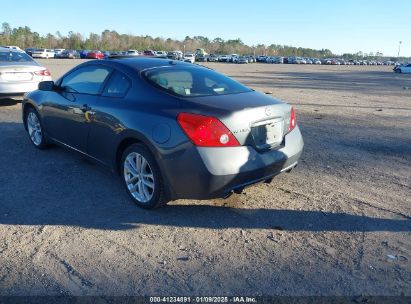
(34, 128)
(139, 177)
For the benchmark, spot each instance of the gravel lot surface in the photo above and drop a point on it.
(339, 224)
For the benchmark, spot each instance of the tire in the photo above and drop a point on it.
(35, 129)
(145, 185)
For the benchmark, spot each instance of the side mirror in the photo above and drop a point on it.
(46, 85)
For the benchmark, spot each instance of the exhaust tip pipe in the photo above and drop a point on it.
(228, 194)
(238, 191)
(291, 169)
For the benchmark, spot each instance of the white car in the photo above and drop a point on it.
(19, 73)
(57, 52)
(234, 58)
(406, 69)
(300, 60)
(133, 53)
(43, 53)
(223, 58)
(189, 57)
(161, 54)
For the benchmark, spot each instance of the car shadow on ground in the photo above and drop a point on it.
(55, 187)
(99, 215)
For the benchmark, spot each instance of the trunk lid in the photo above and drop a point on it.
(253, 118)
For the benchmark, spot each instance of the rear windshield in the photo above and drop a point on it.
(193, 81)
(14, 57)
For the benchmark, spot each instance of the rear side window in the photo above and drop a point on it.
(117, 86)
(193, 82)
(87, 80)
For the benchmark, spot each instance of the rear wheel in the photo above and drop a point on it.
(142, 177)
(35, 129)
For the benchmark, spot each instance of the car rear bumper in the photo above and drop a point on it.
(206, 173)
(19, 88)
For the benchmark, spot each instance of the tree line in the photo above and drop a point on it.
(110, 40)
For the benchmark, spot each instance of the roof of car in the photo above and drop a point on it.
(142, 63)
(6, 49)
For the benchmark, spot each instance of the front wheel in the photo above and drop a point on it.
(35, 129)
(142, 177)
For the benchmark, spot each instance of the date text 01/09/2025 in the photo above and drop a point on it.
(203, 300)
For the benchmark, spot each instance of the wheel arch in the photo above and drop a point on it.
(25, 107)
(127, 140)
(136, 138)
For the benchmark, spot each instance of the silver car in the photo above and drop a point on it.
(19, 73)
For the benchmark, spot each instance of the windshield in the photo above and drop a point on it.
(193, 82)
(15, 57)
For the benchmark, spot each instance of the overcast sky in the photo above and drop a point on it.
(341, 26)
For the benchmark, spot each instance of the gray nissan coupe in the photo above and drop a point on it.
(171, 130)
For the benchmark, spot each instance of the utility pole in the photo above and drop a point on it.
(399, 49)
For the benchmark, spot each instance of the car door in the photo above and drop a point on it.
(68, 111)
(107, 118)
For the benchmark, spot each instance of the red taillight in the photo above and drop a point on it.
(43, 73)
(206, 131)
(293, 120)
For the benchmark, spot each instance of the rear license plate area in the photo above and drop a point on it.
(19, 76)
(268, 134)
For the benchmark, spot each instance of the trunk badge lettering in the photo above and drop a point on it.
(241, 131)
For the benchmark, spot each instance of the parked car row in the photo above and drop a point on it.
(195, 57)
(44, 53)
(329, 61)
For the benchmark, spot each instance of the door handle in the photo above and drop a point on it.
(85, 108)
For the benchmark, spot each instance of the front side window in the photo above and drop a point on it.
(117, 86)
(86, 80)
(193, 81)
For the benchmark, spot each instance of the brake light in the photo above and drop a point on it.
(293, 120)
(44, 72)
(206, 131)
